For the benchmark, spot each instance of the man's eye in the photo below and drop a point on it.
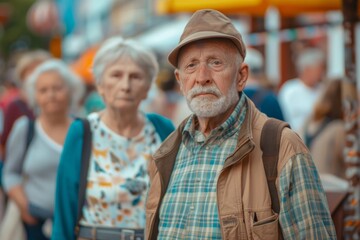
(216, 62)
(191, 65)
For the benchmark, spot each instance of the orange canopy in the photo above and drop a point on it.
(252, 7)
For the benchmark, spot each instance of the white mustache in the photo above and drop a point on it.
(204, 90)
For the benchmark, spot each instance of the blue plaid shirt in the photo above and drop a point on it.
(302, 201)
(189, 209)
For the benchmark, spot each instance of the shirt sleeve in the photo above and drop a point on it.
(15, 147)
(67, 185)
(304, 212)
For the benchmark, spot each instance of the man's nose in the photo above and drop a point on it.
(203, 76)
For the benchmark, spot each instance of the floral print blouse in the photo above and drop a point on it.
(118, 179)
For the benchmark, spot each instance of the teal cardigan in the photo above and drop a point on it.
(68, 176)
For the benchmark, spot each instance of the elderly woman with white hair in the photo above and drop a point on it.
(123, 140)
(34, 146)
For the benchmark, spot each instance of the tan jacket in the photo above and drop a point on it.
(244, 202)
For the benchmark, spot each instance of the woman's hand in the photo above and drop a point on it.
(17, 194)
(27, 218)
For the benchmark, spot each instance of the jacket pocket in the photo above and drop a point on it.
(233, 228)
(266, 229)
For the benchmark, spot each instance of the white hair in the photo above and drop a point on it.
(117, 47)
(309, 57)
(73, 82)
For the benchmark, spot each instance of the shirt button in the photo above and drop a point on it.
(198, 180)
(191, 208)
(207, 148)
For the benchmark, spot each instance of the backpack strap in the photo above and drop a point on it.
(270, 145)
(29, 136)
(30, 133)
(85, 157)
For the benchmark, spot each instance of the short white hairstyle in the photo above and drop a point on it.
(73, 82)
(117, 47)
(309, 57)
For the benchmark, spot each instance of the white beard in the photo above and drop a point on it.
(204, 106)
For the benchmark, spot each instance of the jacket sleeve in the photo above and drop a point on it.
(15, 147)
(67, 185)
(304, 212)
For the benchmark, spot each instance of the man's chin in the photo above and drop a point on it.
(206, 111)
(205, 97)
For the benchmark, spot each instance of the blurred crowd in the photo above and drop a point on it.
(41, 97)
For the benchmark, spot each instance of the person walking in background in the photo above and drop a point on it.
(123, 140)
(18, 107)
(30, 171)
(298, 96)
(256, 88)
(207, 178)
(324, 132)
(9, 90)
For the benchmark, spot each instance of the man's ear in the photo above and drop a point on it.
(243, 74)
(177, 76)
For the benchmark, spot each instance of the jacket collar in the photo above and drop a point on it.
(245, 142)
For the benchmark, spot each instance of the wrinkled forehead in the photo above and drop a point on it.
(210, 46)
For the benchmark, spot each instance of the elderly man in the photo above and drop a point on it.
(208, 178)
